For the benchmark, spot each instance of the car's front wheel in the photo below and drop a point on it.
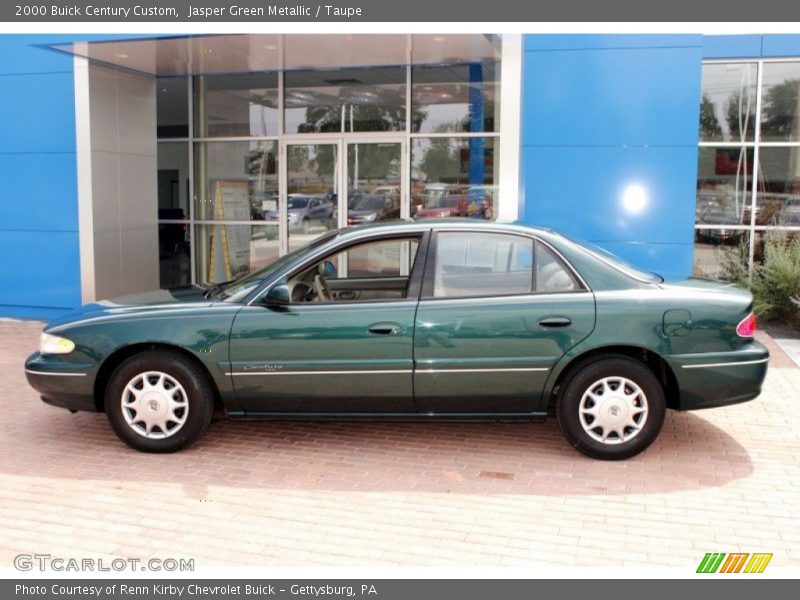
(159, 401)
(612, 408)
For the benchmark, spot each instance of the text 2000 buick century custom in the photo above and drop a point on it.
(423, 320)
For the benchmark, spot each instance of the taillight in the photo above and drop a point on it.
(747, 326)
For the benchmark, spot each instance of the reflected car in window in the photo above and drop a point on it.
(375, 207)
(451, 319)
(439, 201)
(306, 212)
(789, 213)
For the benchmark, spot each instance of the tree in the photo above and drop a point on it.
(740, 114)
(780, 110)
(709, 124)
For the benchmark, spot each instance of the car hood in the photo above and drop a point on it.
(154, 301)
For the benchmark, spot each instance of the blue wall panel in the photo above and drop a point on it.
(39, 115)
(731, 46)
(39, 270)
(39, 191)
(601, 41)
(609, 143)
(22, 54)
(780, 46)
(611, 97)
(751, 46)
(39, 251)
(613, 194)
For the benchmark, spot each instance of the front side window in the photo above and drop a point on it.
(377, 270)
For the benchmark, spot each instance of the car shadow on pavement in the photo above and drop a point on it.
(465, 458)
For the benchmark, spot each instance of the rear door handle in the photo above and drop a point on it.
(384, 328)
(555, 321)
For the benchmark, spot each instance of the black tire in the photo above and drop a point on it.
(199, 397)
(583, 379)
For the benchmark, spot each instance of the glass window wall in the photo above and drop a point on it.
(748, 182)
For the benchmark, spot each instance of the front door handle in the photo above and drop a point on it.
(555, 321)
(384, 328)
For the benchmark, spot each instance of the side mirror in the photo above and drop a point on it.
(278, 295)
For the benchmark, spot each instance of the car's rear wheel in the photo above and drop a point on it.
(159, 401)
(612, 408)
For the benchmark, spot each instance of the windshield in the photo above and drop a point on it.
(298, 202)
(241, 288)
(369, 203)
(615, 261)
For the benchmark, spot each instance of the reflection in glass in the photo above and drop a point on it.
(778, 236)
(453, 177)
(173, 255)
(780, 102)
(236, 181)
(390, 258)
(728, 102)
(456, 98)
(173, 180)
(345, 100)
(231, 251)
(172, 107)
(724, 177)
(373, 182)
(721, 253)
(313, 191)
(778, 199)
(236, 105)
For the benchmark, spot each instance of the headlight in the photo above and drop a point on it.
(370, 217)
(53, 344)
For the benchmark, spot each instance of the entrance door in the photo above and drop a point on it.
(375, 182)
(339, 180)
(311, 190)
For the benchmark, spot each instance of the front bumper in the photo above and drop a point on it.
(720, 378)
(61, 383)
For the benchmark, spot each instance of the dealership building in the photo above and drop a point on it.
(133, 163)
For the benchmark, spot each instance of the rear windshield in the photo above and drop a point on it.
(615, 261)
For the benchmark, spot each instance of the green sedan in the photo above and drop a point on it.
(405, 320)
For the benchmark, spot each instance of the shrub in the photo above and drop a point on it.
(733, 262)
(777, 281)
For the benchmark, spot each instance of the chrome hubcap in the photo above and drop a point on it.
(154, 405)
(613, 410)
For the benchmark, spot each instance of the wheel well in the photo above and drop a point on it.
(121, 355)
(651, 360)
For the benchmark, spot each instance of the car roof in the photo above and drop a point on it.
(410, 225)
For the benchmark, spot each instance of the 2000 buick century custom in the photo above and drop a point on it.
(424, 320)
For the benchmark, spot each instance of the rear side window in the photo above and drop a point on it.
(551, 274)
(482, 264)
(470, 264)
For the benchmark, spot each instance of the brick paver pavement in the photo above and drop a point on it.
(398, 493)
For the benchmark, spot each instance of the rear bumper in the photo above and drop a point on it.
(63, 384)
(720, 378)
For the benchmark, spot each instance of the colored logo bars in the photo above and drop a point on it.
(735, 562)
